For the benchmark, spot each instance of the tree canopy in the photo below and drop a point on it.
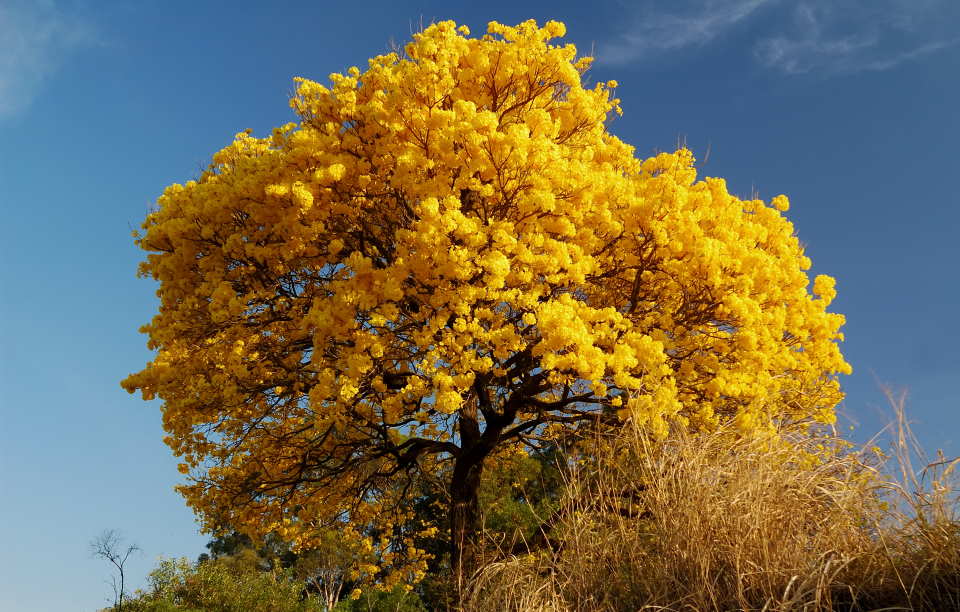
(447, 259)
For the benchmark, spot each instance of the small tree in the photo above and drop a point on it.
(324, 569)
(109, 546)
(449, 259)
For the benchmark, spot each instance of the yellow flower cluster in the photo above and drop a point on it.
(455, 228)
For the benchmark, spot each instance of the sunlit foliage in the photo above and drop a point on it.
(447, 258)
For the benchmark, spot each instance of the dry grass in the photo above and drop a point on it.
(719, 522)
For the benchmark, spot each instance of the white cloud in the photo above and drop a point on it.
(826, 37)
(910, 54)
(694, 24)
(35, 38)
(801, 36)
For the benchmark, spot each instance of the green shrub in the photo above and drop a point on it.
(221, 586)
(372, 600)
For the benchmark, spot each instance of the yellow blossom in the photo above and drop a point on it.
(447, 248)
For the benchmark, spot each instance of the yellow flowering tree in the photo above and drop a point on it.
(446, 260)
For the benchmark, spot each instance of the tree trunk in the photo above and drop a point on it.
(464, 524)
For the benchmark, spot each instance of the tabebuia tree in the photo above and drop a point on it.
(448, 259)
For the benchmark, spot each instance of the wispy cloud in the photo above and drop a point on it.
(911, 54)
(802, 36)
(35, 37)
(859, 35)
(690, 24)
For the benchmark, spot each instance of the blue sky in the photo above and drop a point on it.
(847, 107)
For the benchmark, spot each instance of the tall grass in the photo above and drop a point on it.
(716, 521)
